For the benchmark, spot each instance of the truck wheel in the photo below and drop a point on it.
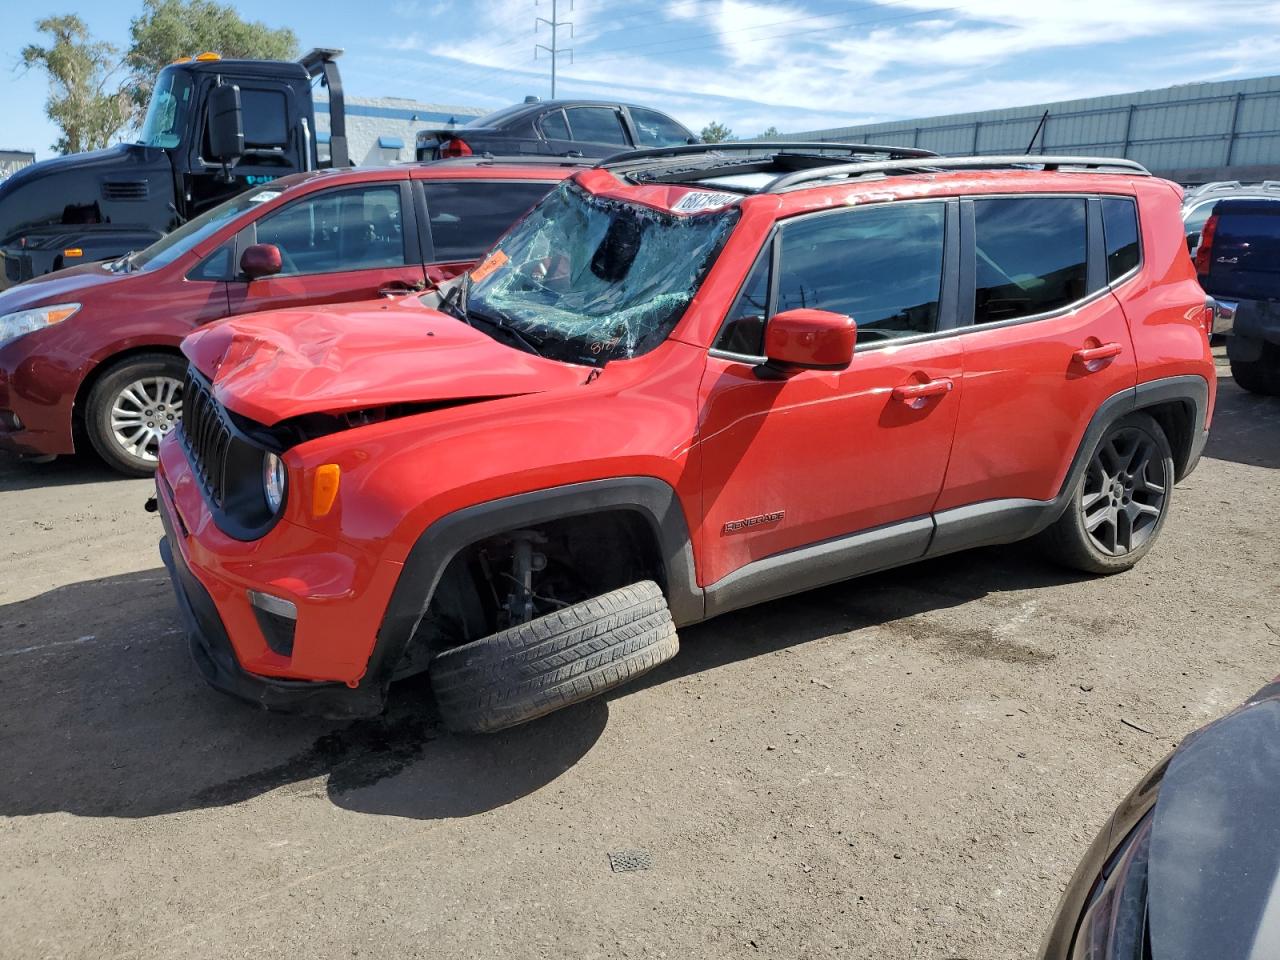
(559, 659)
(1261, 375)
(1120, 504)
(133, 404)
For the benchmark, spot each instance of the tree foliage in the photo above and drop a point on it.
(773, 133)
(84, 101)
(169, 29)
(716, 132)
(87, 98)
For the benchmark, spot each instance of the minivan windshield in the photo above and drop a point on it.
(167, 112)
(173, 245)
(587, 279)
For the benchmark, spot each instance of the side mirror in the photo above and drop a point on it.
(260, 260)
(808, 340)
(226, 124)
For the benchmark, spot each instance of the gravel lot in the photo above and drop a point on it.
(903, 766)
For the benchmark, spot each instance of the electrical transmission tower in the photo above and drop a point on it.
(555, 23)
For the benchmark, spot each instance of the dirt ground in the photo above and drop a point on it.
(909, 765)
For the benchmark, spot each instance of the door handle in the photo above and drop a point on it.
(909, 393)
(1087, 355)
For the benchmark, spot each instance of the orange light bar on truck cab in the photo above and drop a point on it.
(207, 56)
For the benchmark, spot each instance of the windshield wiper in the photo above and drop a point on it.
(499, 322)
(455, 302)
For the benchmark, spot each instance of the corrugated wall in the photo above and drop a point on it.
(1193, 132)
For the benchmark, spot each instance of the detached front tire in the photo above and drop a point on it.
(133, 404)
(1120, 504)
(527, 671)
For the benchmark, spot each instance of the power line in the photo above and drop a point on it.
(555, 23)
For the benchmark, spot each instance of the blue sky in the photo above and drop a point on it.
(751, 64)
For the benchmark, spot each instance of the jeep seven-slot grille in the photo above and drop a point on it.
(206, 436)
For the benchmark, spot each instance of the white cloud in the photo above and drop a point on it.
(752, 64)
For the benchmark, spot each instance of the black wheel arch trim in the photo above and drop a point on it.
(653, 499)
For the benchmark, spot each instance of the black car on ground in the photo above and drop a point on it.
(581, 128)
(1188, 866)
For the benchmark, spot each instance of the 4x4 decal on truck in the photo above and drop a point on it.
(733, 526)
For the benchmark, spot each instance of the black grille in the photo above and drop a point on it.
(206, 436)
(124, 190)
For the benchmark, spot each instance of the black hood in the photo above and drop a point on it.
(124, 185)
(1214, 881)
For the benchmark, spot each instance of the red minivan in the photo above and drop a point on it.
(91, 353)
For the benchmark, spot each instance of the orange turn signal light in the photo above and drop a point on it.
(73, 252)
(324, 490)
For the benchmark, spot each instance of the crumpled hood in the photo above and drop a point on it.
(273, 366)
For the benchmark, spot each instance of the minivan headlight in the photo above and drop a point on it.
(274, 479)
(14, 325)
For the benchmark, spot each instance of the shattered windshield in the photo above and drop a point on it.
(587, 279)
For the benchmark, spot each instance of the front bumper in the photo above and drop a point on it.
(215, 659)
(335, 669)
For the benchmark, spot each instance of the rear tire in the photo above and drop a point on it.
(527, 671)
(1261, 375)
(132, 406)
(1120, 504)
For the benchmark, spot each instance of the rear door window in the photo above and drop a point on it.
(468, 216)
(338, 231)
(654, 129)
(553, 126)
(1120, 228)
(1030, 256)
(597, 125)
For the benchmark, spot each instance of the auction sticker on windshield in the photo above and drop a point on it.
(490, 264)
(698, 200)
(262, 196)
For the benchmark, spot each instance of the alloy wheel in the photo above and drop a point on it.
(1124, 492)
(143, 412)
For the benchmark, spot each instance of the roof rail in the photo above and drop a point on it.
(628, 157)
(517, 159)
(1089, 164)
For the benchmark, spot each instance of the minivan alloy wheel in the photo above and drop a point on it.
(1124, 492)
(143, 412)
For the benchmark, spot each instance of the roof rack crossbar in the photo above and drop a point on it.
(685, 149)
(1091, 164)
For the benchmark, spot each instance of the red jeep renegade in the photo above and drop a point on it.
(690, 380)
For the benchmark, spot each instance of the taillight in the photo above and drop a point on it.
(1205, 251)
(453, 147)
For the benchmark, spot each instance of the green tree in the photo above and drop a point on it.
(84, 100)
(715, 132)
(773, 133)
(169, 29)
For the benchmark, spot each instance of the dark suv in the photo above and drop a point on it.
(578, 128)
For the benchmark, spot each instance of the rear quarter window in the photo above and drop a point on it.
(1120, 228)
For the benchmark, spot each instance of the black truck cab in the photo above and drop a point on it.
(213, 128)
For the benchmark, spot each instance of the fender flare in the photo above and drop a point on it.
(653, 499)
